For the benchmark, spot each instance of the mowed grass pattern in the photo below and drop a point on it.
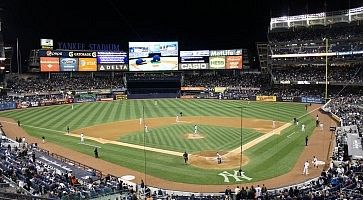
(173, 138)
(273, 157)
(86, 114)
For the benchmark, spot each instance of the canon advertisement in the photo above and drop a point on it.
(112, 61)
(153, 56)
(194, 60)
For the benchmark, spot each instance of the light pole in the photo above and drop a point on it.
(326, 67)
(241, 135)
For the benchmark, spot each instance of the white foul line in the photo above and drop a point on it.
(291, 134)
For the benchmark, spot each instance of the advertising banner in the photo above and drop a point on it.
(46, 43)
(265, 98)
(112, 61)
(312, 100)
(68, 64)
(87, 64)
(192, 88)
(112, 67)
(7, 106)
(288, 99)
(52, 53)
(49, 64)
(233, 62)
(231, 52)
(193, 66)
(82, 54)
(220, 89)
(218, 62)
(153, 56)
(194, 60)
(121, 96)
(112, 58)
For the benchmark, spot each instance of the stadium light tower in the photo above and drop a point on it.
(326, 67)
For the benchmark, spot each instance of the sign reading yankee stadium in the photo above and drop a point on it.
(87, 46)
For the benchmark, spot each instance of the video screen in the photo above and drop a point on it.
(153, 56)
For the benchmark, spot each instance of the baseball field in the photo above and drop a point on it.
(117, 130)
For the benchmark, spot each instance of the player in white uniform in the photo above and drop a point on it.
(177, 118)
(306, 168)
(315, 162)
(273, 124)
(303, 128)
(82, 138)
(195, 129)
(146, 129)
(219, 158)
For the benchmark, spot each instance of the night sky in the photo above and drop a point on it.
(196, 24)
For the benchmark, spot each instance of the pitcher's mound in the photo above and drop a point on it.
(208, 160)
(191, 136)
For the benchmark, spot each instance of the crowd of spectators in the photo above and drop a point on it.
(338, 74)
(349, 109)
(35, 177)
(41, 85)
(347, 32)
(255, 80)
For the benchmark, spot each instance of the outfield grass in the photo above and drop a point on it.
(272, 157)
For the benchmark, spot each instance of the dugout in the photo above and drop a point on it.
(153, 85)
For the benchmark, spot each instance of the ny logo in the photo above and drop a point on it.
(236, 176)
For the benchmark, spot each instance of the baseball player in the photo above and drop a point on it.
(315, 162)
(195, 129)
(273, 124)
(321, 126)
(185, 156)
(177, 118)
(82, 138)
(146, 129)
(303, 128)
(306, 168)
(140, 121)
(219, 158)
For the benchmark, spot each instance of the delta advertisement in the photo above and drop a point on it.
(225, 59)
(87, 64)
(153, 56)
(112, 61)
(49, 64)
(68, 64)
(194, 60)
